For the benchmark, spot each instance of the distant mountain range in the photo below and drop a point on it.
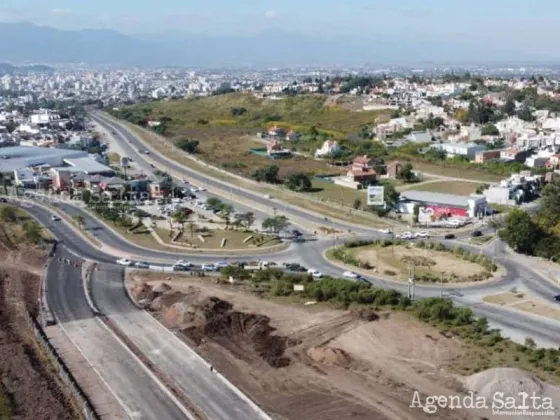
(29, 43)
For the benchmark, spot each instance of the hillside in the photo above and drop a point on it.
(241, 110)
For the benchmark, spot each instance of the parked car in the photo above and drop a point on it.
(476, 233)
(125, 262)
(316, 274)
(385, 231)
(449, 236)
(176, 200)
(184, 263)
(295, 267)
(208, 267)
(221, 264)
(141, 264)
(55, 218)
(557, 298)
(422, 234)
(350, 275)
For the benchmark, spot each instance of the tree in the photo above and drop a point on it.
(298, 182)
(8, 214)
(390, 194)
(509, 107)
(521, 232)
(86, 197)
(180, 218)
(268, 174)
(548, 215)
(245, 219)
(214, 204)
(192, 228)
(275, 224)
(525, 113)
(481, 188)
(80, 221)
(490, 130)
(357, 203)
(32, 231)
(225, 212)
(407, 173)
(189, 146)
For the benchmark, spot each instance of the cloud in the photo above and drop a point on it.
(61, 11)
(271, 14)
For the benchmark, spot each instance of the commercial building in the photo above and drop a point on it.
(18, 157)
(486, 156)
(468, 150)
(443, 205)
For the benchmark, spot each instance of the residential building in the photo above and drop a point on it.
(329, 148)
(485, 156)
(419, 137)
(468, 150)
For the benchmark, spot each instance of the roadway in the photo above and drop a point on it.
(134, 387)
(191, 374)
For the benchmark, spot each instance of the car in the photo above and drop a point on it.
(295, 267)
(476, 233)
(113, 132)
(350, 275)
(146, 152)
(194, 189)
(208, 267)
(449, 236)
(221, 264)
(267, 196)
(557, 298)
(316, 274)
(141, 264)
(151, 165)
(422, 234)
(385, 231)
(201, 189)
(177, 200)
(185, 181)
(3, 200)
(125, 262)
(55, 218)
(184, 263)
(296, 233)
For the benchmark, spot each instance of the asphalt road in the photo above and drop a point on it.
(206, 390)
(141, 396)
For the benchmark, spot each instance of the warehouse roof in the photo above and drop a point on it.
(436, 198)
(18, 157)
(87, 165)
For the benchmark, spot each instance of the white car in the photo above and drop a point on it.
(385, 231)
(184, 263)
(267, 196)
(221, 264)
(350, 275)
(55, 218)
(194, 189)
(177, 200)
(315, 273)
(125, 262)
(208, 267)
(422, 234)
(202, 189)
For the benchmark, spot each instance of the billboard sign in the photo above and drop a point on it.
(375, 196)
(425, 215)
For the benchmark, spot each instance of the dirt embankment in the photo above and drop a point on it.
(306, 363)
(30, 386)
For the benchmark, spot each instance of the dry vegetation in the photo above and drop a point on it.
(315, 362)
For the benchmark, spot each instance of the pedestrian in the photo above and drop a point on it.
(211, 368)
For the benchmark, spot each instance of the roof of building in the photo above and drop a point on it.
(87, 165)
(18, 157)
(362, 159)
(436, 198)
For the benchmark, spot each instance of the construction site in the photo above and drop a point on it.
(315, 362)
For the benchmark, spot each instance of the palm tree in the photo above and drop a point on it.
(192, 228)
(180, 217)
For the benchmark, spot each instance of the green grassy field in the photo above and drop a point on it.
(446, 187)
(299, 113)
(461, 173)
(325, 190)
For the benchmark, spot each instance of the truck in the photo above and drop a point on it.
(257, 265)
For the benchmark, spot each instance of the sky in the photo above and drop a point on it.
(509, 23)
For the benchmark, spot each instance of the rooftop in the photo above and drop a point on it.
(436, 198)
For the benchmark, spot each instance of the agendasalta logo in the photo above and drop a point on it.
(525, 404)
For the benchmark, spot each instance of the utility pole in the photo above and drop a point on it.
(441, 286)
(411, 281)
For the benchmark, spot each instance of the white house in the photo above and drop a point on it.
(469, 150)
(419, 137)
(329, 148)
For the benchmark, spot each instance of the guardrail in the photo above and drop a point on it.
(45, 315)
(64, 373)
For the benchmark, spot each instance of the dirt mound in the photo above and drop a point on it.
(162, 288)
(367, 314)
(329, 356)
(511, 382)
(241, 333)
